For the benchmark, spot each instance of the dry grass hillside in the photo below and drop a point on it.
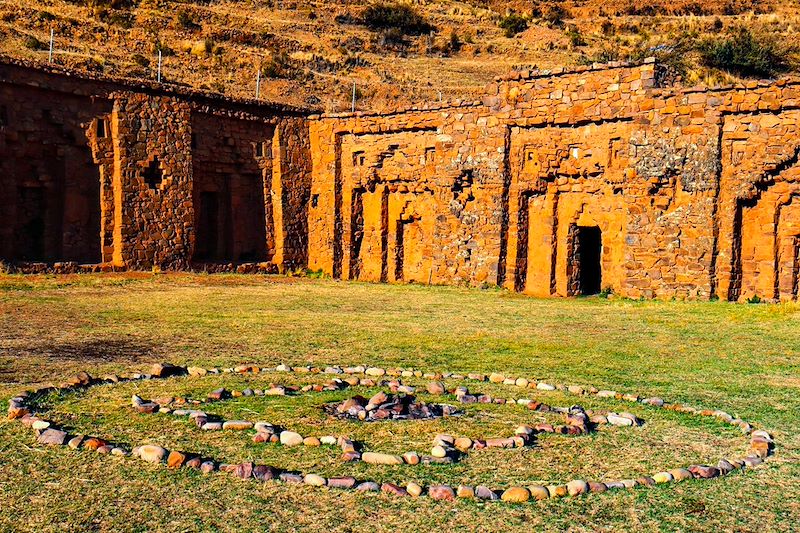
(311, 52)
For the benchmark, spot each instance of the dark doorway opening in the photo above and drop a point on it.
(31, 221)
(589, 244)
(208, 231)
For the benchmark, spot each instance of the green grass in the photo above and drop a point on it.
(740, 358)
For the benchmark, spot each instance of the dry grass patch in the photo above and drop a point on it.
(741, 358)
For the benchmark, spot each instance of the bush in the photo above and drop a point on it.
(396, 17)
(121, 19)
(108, 4)
(140, 60)
(555, 14)
(513, 24)
(186, 22)
(747, 54)
(32, 43)
(575, 37)
(278, 66)
(455, 42)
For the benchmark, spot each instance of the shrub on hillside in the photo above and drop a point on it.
(747, 54)
(385, 16)
(186, 22)
(106, 4)
(513, 24)
(555, 14)
(32, 43)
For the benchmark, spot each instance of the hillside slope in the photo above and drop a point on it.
(311, 53)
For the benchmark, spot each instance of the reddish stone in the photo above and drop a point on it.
(441, 492)
(703, 471)
(391, 488)
(341, 482)
(244, 470)
(92, 443)
(175, 459)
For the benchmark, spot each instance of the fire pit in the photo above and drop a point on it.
(384, 406)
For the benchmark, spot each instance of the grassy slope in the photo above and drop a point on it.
(242, 35)
(736, 357)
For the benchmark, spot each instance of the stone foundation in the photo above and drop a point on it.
(554, 184)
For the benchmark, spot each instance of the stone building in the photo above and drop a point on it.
(554, 184)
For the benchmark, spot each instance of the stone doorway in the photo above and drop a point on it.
(31, 216)
(207, 245)
(585, 260)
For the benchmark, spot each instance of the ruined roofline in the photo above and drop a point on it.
(117, 83)
(518, 75)
(522, 75)
(433, 106)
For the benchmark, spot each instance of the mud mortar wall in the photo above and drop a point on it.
(104, 174)
(554, 184)
(693, 191)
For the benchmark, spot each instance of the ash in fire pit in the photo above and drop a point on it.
(384, 406)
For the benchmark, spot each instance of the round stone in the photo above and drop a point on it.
(290, 438)
(311, 441)
(516, 495)
(435, 387)
(577, 487)
(663, 477)
(463, 444)
(539, 492)
(465, 492)
(152, 454)
(680, 474)
(414, 490)
(342, 482)
(600, 487)
(314, 480)
(391, 488)
(368, 486)
(175, 459)
(441, 492)
(411, 458)
(485, 493)
(439, 451)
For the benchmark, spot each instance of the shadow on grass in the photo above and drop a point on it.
(97, 351)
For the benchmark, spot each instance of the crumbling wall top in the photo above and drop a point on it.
(92, 83)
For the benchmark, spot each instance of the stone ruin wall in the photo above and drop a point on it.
(684, 193)
(98, 171)
(691, 189)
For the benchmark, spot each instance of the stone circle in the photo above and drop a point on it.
(446, 449)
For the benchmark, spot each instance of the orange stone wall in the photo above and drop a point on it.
(554, 184)
(693, 190)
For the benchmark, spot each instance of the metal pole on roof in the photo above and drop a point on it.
(159, 66)
(353, 107)
(50, 54)
(258, 84)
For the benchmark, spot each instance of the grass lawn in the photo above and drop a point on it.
(740, 358)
